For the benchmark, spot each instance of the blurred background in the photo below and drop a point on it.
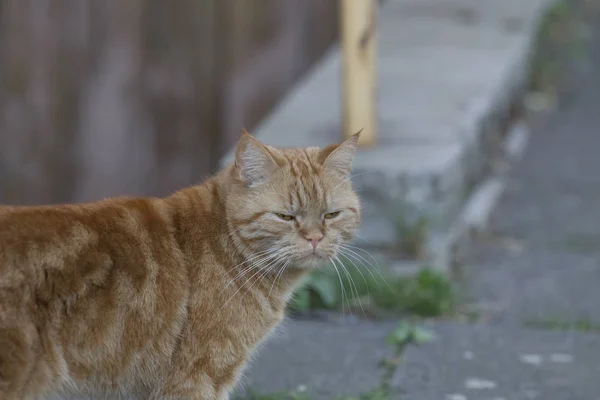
(480, 250)
(105, 98)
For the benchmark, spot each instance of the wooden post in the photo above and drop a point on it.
(358, 37)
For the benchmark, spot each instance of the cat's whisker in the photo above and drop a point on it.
(279, 274)
(337, 261)
(273, 269)
(264, 253)
(263, 256)
(266, 271)
(352, 256)
(352, 285)
(260, 255)
(363, 250)
(345, 247)
(342, 290)
(363, 238)
(377, 268)
(272, 256)
(360, 190)
(285, 266)
(242, 273)
(284, 261)
(354, 250)
(352, 261)
(359, 174)
(264, 268)
(260, 270)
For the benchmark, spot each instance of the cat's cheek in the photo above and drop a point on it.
(348, 235)
(345, 231)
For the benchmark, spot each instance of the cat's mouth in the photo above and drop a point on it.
(316, 259)
(319, 255)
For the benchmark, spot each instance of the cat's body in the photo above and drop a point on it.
(166, 298)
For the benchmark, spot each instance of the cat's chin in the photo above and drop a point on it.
(314, 261)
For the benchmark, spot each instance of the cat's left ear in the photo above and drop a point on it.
(253, 161)
(340, 157)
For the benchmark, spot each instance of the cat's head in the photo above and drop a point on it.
(297, 205)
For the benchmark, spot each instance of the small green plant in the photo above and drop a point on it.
(404, 335)
(408, 333)
(348, 283)
(428, 294)
(557, 324)
(318, 291)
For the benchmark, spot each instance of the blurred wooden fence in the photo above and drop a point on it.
(126, 97)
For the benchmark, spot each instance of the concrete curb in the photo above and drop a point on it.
(447, 249)
(475, 215)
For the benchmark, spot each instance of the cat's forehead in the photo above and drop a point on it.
(304, 183)
(297, 154)
(299, 161)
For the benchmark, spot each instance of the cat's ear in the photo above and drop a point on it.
(253, 161)
(339, 157)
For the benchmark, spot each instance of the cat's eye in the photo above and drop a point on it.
(332, 215)
(285, 217)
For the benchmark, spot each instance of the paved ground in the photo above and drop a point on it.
(466, 362)
(550, 215)
(483, 362)
(536, 279)
(329, 358)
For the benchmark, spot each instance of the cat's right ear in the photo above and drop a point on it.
(253, 161)
(339, 157)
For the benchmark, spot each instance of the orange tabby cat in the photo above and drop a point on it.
(166, 298)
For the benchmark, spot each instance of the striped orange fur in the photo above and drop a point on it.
(166, 298)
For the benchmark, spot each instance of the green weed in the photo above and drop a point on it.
(427, 294)
(557, 324)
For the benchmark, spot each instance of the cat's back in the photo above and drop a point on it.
(35, 238)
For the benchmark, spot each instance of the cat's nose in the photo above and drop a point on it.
(314, 238)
